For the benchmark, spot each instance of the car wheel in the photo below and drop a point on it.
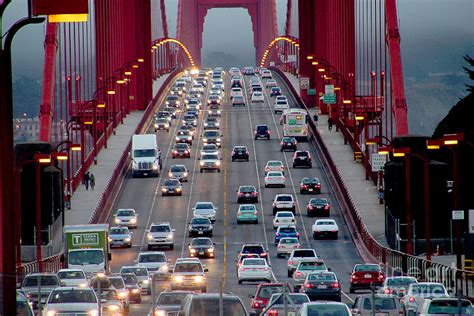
(218, 170)
(200, 170)
(278, 255)
(266, 186)
(238, 222)
(240, 281)
(335, 237)
(172, 247)
(256, 222)
(294, 166)
(190, 235)
(150, 247)
(247, 160)
(290, 274)
(274, 228)
(310, 166)
(233, 159)
(351, 290)
(315, 236)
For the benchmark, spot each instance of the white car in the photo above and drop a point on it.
(418, 292)
(126, 217)
(142, 275)
(275, 178)
(283, 202)
(274, 165)
(325, 228)
(271, 83)
(160, 234)
(296, 256)
(266, 74)
(205, 209)
(254, 269)
(236, 92)
(72, 277)
(72, 301)
(257, 96)
(283, 218)
(209, 162)
(210, 149)
(155, 261)
(286, 245)
(280, 105)
(307, 266)
(186, 78)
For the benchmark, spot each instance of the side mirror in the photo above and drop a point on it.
(170, 270)
(109, 256)
(173, 230)
(206, 270)
(329, 269)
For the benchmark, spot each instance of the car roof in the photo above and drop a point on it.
(161, 224)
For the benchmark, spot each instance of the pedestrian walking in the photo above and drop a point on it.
(330, 122)
(86, 180)
(92, 181)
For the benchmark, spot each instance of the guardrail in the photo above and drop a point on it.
(369, 248)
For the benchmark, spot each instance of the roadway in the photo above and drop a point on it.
(237, 126)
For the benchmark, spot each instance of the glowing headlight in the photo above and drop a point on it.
(204, 139)
(164, 267)
(146, 281)
(185, 174)
(156, 125)
(122, 295)
(198, 279)
(218, 111)
(117, 221)
(192, 250)
(218, 163)
(218, 139)
(155, 167)
(177, 138)
(160, 313)
(210, 111)
(178, 278)
(113, 308)
(110, 239)
(133, 220)
(136, 291)
(205, 124)
(83, 285)
(150, 237)
(190, 138)
(167, 102)
(167, 126)
(210, 249)
(217, 124)
(169, 236)
(128, 239)
(93, 312)
(169, 173)
(51, 313)
(178, 189)
(202, 163)
(164, 189)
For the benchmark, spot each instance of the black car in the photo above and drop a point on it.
(288, 143)
(247, 193)
(258, 249)
(275, 91)
(171, 187)
(236, 82)
(318, 207)
(310, 185)
(181, 150)
(262, 131)
(200, 226)
(302, 158)
(322, 286)
(171, 110)
(202, 247)
(172, 100)
(240, 152)
(133, 289)
(214, 99)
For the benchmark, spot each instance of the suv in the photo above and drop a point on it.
(48, 281)
(154, 261)
(302, 158)
(188, 274)
(240, 152)
(296, 256)
(143, 277)
(210, 162)
(160, 235)
(283, 202)
(262, 131)
(208, 304)
(258, 249)
(288, 143)
(172, 100)
(212, 137)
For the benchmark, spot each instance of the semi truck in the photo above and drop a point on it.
(146, 156)
(87, 247)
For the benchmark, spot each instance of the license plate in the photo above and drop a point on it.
(171, 191)
(247, 195)
(145, 173)
(381, 314)
(200, 233)
(310, 190)
(288, 144)
(367, 276)
(201, 253)
(322, 286)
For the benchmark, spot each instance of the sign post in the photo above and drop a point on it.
(458, 215)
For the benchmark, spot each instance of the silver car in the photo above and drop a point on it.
(141, 272)
(155, 261)
(120, 236)
(387, 305)
(126, 217)
(418, 292)
(48, 281)
(178, 172)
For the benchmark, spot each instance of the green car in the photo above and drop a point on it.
(247, 213)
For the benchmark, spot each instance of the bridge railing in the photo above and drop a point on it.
(369, 248)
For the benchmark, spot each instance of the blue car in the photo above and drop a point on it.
(286, 231)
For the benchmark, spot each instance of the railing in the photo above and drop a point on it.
(368, 247)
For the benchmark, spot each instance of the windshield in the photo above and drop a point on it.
(210, 157)
(162, 120)
(450, 307)
(247, 189)
(141, 153)
(72, 296)
(310, 180)
(171, 182)
(172, 98)
(125, 213)
(254, 262)
(253, 249)
(137, 271)
(284, 198)
(204, 206)
(45, 281)
(321, 277)
(129, 279)
(327, 309)
(262, 128)
(155, 257)
(86, 256)
(201, 242)
(384, 303)
(211, 134)
(178, 168)
(401, 281)
(171, 298)
(367, 268)
(65, 275)
(181, 146)
(267, 291)
(284, 214)
(289, 241)
(318, 201)
(200, 221)
(203, 306)
(209, 147)
(312, 266)
(304, 253)
(326, 223)
(110, 295)
(275, 174)
(118, 231)
(287, 230)
(274, 163)
(117, 282)
(188, 267)
(297, 299)
(160, 228)
(247, 208)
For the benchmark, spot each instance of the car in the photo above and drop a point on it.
(71, 300)
(324, 308)
(181, 150)
(212, 137)
(118, 283)
(208, 304)
(271, 83)
(164, 115)
(240, 153)
(263, 294)
(247, 193)
(277, 305)
(23, 307)
(296, 256)
(283, 218)
(111, 302)
(418, 292)
(211, 123)
(201, 247)
(318, 207)
(217, 91)
(258, 249)
(200, 226)
(155, 262)
(397, 285)
(188, 274)
(72, 277)
(194, 102)
(236, 82)
(236, 91)
(286, 231)
(169, 303)
(445, 306)
(205, 209)
(160, 234)
(384, 305)
(142, 275)
(363, 276)
(254, 269)
(119, 236)
(170, 109)
(196, 91)
(172, 100)
(184, 136)
(248, 71)
(286, 245)
(262, 131)
(280, 105)
(176, 91)
(218, 85)
(188, 128)
(288, 143)
(134, 291)
(275, 91)
(238, 100)
(161, 124)
(242, 256)
(283, 202)
(178, 172)
(310, 185)
(171, 187)
(210, 149)
(194, 112)
(247, 213)
(202, 81)
(321, 286)
(213, 110)
(307, 266)
(274, 165)
(209, 162)
(214, 99)
(190, 119)
(186, 78)
(274, 179)
(325, 228)
(126, 217)
(302, 158)
(266, 74)
(257, 96)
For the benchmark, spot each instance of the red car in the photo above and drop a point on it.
(364, 275)
(264, 293)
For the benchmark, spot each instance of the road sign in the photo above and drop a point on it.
(378, 162)
(329, 98)
(304, 82)
(291, 58)
(329, 89)
(458, 215)
(311, 91)
(471, 221)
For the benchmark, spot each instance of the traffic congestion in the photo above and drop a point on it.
(228, 210)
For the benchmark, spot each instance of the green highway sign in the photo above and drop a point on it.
(311, 91)
(329, 98)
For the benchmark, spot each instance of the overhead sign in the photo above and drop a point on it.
(378, 162)
(471, 221)
(61, 11)
(304, 82)
(458, 215)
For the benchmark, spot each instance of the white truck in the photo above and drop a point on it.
(146, 156)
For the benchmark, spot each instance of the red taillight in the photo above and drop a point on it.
(388, 291)
(241, 193)
(308, 285)
(239, 213)
(291, 261)
(277, 234)
(411, 299)
(273, 312)
(254, 213)
(381, 277)
(280, 246)
(263, 254)
(254, 193)
(335, 285)
(318, 186)
(258, 304)
(326, 207)
(298, 274)
(354, 276)
(298, 246)
(244, 269)
(266, 269)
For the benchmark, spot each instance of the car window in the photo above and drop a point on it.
(287, 230)
(285, 214)
(72, 296)
(45, 281)
(318, 265)
(204, 206)
(178, 168)
(210, 157)
(160, 229)
(171, 298)
(118, 231)
(297, 299)
(275, 174)
(155, 257)
(328, 223)
(321, 277)
(274, 163)
(303, 253)
(254, 262)
(253, 249)
(117, 282)
(125, 213)
(201, 242)
(247, 208)
(327, 309)
(188, 267)
(267, 291)
(384, 303)
(64, 275)
(284, 198)
(136, 270)
(200, 221)
(450, 307)
(302, 154)
(289, 241)
(367, 268)
(203, 306)
(400, 281)
(171, 182)
(247, 189)
(318, 201)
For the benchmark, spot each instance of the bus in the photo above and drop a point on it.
(295, 123)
